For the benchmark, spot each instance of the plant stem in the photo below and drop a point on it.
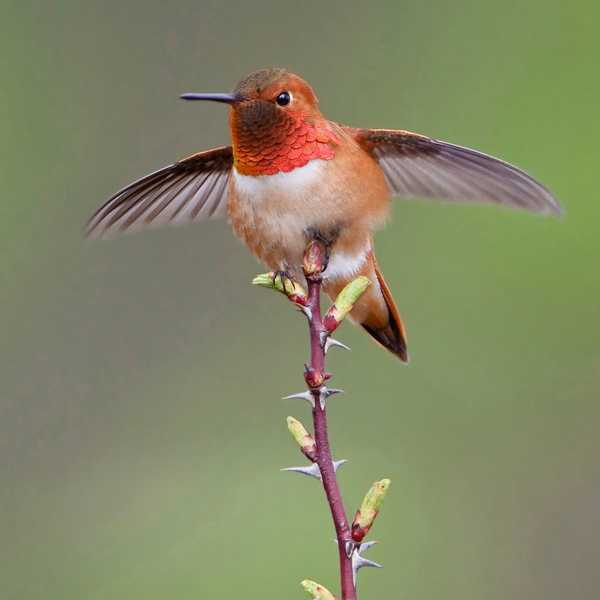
(316, 373)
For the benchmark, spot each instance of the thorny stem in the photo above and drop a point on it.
(315, 376)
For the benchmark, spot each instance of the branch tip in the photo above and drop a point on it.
(315, 259)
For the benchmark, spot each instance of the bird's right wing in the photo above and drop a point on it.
(192, 189)
(417, 166)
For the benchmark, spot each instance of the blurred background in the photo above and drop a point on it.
(141, 430)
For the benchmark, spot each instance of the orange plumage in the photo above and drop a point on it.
(291, 175)
(279, 145)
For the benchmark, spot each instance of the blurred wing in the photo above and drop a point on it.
(192, 189)
(422, 167)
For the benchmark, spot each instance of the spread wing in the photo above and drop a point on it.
(417, 166)
(191, 189)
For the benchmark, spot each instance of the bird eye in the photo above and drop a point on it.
(283, 99)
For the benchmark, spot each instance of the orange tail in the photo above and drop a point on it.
(376, 310)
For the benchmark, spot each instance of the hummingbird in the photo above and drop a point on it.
(290, 175)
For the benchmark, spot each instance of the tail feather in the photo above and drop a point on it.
(393, 335)
(376, 311)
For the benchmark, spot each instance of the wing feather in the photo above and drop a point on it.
(416, 166)
(192, 189)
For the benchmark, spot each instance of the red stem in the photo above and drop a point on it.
(316, 373)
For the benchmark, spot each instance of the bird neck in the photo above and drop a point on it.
(281, 142)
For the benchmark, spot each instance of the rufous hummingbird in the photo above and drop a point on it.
(290, 175)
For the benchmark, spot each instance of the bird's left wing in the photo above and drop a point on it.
(191, 189)
(417, 166)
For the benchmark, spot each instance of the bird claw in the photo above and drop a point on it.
(283, 277)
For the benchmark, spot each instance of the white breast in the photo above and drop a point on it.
(294, 183)
(279, 209)
(283, 205)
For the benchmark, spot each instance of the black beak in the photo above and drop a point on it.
(226, 98)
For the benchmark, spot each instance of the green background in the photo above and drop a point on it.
(141, 430)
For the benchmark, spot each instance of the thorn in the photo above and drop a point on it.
(302, 396)
(359, 561)
(350, 545)
(330, 391)
(331, 342)
(366, 545)
(323, 336)
(338, 463)
(365, 562)
(306, 311)
(313, 470)
(325, 392)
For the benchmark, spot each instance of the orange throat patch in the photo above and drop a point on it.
(281, 146)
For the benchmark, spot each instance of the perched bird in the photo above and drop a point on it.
(290, 175)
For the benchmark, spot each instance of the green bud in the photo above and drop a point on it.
(369, 509)
(303, 438)
(285, 285)
(345, 301)
(317, 591)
